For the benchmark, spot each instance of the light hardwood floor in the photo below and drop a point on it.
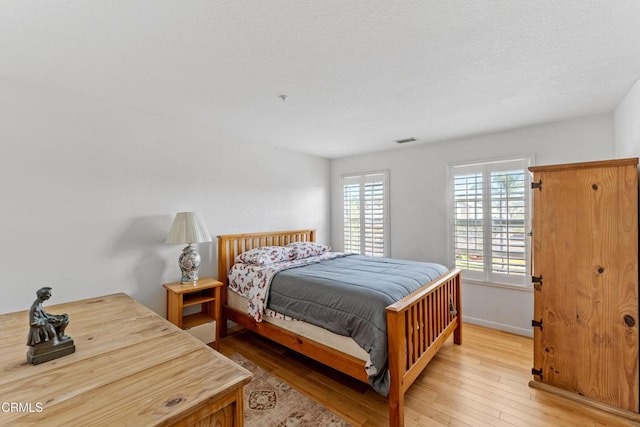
(483, 382)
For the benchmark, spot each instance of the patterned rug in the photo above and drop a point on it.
(270, 402)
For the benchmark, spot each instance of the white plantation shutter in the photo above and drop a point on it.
(365, 213)
(468, 222)
(352, 215)
(508, 233)
(490, 218)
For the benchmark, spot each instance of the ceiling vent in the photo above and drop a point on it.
(404, 141)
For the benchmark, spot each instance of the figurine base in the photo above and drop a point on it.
(48, 351)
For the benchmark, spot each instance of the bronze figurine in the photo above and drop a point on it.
(46, 339)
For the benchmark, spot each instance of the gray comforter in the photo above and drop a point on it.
(348, 296)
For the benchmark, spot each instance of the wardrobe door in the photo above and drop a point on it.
(607, 286)
(555, 233)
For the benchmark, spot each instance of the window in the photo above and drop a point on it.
(490, 219)
(365, 213)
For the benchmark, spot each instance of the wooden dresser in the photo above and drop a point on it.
(585, 268)
(131, 367)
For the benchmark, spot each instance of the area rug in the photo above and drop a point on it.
(270, 402)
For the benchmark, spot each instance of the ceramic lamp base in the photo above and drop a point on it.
(189, 264)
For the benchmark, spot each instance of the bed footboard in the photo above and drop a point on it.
(417, 327)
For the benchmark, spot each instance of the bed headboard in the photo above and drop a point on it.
(232, 245)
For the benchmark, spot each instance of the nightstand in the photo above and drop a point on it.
(206, 294)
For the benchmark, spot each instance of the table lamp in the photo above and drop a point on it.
(188, 228)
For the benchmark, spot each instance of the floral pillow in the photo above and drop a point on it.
(266, 255)
(303, 250)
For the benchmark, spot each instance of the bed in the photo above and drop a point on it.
(417, 325)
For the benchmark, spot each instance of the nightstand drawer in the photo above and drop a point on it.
(205, 332)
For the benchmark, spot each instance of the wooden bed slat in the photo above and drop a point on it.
(417, 325)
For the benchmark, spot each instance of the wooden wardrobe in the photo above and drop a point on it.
(585, 277)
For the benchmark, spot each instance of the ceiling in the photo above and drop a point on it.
(359, 74)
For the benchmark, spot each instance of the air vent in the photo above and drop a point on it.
(404, 141)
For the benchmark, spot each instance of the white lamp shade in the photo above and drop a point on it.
(187, 227)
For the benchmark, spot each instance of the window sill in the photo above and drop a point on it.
(498, 285)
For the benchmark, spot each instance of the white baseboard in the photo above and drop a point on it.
(502, 327)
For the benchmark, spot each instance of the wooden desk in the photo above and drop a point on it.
(131, 367)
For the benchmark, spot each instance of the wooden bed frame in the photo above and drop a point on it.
(417, 325)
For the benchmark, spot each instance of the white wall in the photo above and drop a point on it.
(418, 199)
(88, 192)
(627, 124)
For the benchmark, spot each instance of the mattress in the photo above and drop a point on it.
(312, 332)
